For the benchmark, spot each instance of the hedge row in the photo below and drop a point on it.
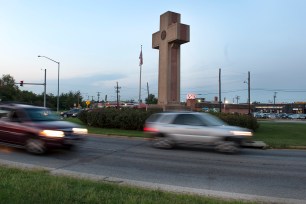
(134, 119)
(126, 118)
(241, 120)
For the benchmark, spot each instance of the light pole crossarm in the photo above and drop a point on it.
(58, 71)
(49, 59)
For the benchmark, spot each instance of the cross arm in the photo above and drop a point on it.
(156, 40)
(179, 33)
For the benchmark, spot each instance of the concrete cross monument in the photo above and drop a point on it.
(168, 40)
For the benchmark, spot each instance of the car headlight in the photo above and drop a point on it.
(242, 133)
(80, 130)
(51, 133)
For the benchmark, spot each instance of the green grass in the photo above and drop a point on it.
(38, 186)
(282, 135)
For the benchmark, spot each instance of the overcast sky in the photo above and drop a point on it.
(98, 44)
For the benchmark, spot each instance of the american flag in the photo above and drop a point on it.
(140, 57)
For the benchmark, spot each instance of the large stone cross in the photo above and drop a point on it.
(168, 40)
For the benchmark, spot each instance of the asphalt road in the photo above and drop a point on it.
(278, 175)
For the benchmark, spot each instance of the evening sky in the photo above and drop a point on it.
(98, 44)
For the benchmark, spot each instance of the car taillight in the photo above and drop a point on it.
(148, 129)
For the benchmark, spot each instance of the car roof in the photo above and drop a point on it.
(19, 105)
(178, 112)
(157, 116)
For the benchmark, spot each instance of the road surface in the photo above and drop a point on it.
(278, 175)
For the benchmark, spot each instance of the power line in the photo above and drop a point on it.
(281, 90)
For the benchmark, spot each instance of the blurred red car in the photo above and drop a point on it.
(36, 129)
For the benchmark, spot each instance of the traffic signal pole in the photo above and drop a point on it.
(21, 83)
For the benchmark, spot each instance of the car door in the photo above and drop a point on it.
(189, 128)
(5, 128)
(186, 128)
(15, 131)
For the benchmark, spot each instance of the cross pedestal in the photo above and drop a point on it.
(168, 40)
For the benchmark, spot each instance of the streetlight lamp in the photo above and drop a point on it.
(58, 70)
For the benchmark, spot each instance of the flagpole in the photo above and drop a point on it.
(140, 86)
(140, 67)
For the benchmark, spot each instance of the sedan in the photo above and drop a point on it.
(71, 113)
(192, 128)
(37, 129)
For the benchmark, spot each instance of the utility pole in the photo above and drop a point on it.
(220, 102)
(249, 92)
(274, 100)
(274, 97)
(117, 92)
(98, 96)
(237, 98)
(78, 99)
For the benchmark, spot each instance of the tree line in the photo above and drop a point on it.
(10, 92)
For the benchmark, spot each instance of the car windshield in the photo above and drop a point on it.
(41, 114)
(211, 120)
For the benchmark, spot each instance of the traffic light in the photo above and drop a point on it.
(21, 83)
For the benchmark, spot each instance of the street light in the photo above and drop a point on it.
(45, 86)
(58, 66)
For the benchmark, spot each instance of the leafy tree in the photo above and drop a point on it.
(151, 99)
(70, 100)
(30, 97)
(8, 89)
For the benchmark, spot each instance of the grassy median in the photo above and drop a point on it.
(282, 134)
(38, 186)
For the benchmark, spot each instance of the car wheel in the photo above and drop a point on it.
(35, 146)
(163, 142)
(227, 147)
(65, 116)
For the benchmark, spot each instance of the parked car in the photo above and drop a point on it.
(71, 113)
(168, 129)
(37, 129)
(302, 116)
(283, 115)
(296, 116)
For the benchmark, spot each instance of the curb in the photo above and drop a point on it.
(154, 186)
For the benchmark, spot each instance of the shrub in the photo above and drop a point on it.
(125, 118)
(246, 121)
(134, 119)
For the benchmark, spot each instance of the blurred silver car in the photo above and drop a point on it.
(168, 129)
